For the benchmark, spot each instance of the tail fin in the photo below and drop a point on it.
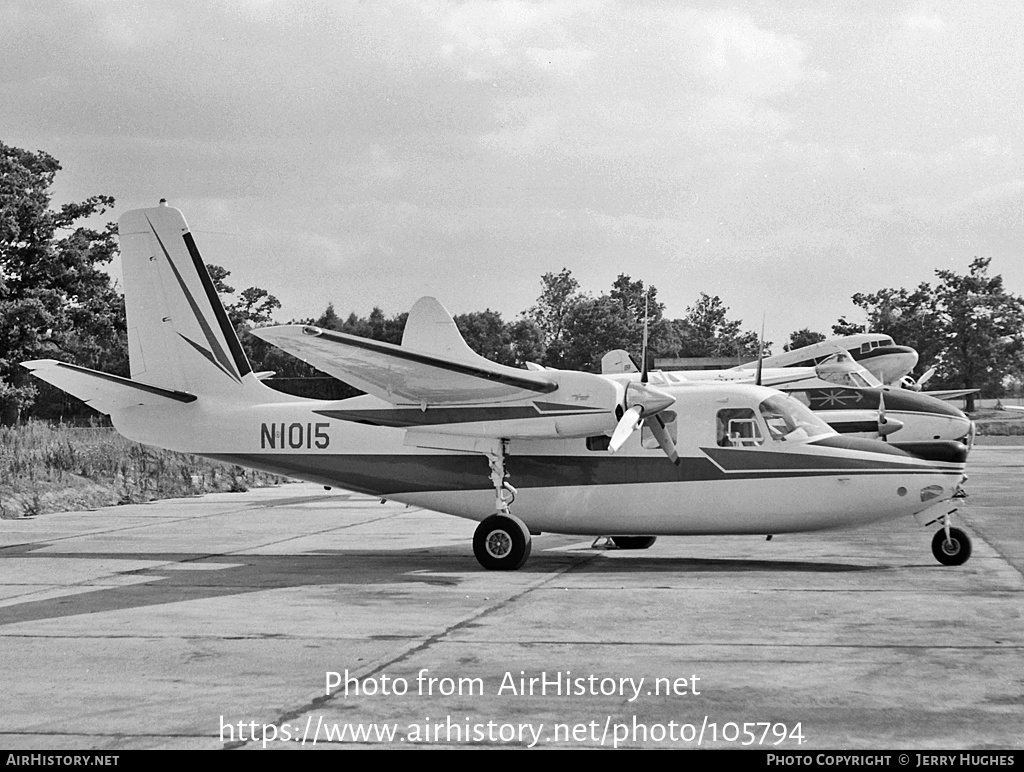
(430, 329)
(179, 335)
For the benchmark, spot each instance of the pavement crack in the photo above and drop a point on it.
(410, 651)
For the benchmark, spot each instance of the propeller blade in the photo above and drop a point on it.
(882, 428)
(926, 377)
(626, 426)
(657, 427)
(643, 350)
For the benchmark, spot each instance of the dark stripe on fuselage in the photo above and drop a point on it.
(861, 444)
(880, 351)
(542, 386)
(396, 474)
(854, 427)
(945, 451)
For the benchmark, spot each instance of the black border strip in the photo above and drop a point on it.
(241, 361)
(178, 396)
(543, 386)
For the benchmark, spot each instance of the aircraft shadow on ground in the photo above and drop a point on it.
(445, 566)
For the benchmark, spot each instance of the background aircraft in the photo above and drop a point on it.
(443, 428)
(847, 397)
(876, 353)
(890, 364)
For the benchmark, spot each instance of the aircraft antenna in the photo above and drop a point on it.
(760, 354)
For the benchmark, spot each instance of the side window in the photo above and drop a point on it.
(865, 348)
(737, 428)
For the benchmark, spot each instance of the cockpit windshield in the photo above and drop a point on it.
(789, 420)
(855, 380)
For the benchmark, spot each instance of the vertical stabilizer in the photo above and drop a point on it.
(179, 335)
(430, 329)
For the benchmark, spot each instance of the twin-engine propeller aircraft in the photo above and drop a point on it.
(443, 428)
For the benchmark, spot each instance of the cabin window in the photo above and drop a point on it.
(598, 442)
(737, 428)
(865, 348)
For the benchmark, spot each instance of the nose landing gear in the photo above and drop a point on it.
(951, 546)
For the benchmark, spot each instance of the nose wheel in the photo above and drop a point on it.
(951, 546)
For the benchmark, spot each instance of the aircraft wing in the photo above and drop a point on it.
(404, 375)
(951, 393)
(102, 391)
(778, 377)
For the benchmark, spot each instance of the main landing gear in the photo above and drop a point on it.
(502, 541)
(951, 546)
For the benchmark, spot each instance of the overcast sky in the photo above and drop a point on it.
(782, 155)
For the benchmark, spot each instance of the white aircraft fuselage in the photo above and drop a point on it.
(561, 486)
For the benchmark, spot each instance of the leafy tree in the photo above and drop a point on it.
(512, 344)
(254, 306)
(910, 318)
(706, 331)
(55, 299)
(801, 338)
(593, 327)
(845, 327)
(967, 326)
(559, 294)
(982, 329)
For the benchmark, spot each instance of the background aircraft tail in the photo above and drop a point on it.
(179, 335)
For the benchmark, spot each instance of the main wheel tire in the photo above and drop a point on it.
(955, 550)
(634, 542)
(502, 543)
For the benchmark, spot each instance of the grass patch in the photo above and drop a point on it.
(999, 423)
(57, 468)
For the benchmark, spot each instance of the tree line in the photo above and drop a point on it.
(56, 301)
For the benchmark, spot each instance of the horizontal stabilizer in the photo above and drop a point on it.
(102, 391)
(403, 375)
